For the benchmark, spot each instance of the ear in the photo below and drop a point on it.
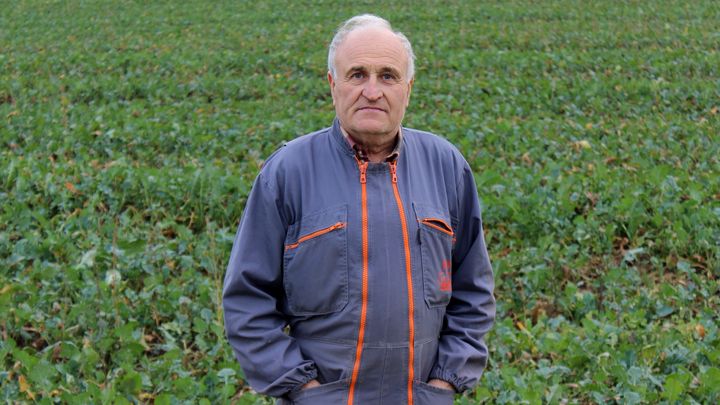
(331, 82)
(410, 85)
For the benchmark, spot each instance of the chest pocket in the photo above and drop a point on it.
(315, 269)
(436, 241)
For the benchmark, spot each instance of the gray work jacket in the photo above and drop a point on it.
(370, 277)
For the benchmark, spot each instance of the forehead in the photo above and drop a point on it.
(371, 48)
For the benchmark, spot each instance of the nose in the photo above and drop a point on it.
(371, 90)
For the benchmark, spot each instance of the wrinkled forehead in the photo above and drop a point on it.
(372, 48)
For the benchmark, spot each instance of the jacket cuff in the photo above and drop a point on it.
(311, 375)
(291, 381)
(445, 375)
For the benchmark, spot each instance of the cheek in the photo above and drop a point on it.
(348, 95)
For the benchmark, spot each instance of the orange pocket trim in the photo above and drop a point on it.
(438, 224)
(315, 234)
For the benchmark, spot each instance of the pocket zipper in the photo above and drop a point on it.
(438, 224)
(315, 234)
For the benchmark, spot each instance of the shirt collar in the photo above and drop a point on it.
(361, 152)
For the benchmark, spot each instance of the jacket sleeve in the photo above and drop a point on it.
(462, 353)
(271, 360)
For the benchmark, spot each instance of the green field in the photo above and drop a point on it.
(131, 132)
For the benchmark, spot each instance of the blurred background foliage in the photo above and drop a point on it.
(131, 132)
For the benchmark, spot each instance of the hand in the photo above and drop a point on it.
(310, 384)
(441, 384)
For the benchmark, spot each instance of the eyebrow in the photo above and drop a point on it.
(384, 69)
(389, 69)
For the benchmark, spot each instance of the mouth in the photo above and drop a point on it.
(371, 109)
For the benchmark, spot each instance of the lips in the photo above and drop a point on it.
(371, 109)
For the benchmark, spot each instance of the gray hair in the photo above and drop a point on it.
(367, 21)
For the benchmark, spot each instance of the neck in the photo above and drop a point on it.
(377, 148)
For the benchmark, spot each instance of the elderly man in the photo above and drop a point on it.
(359, 272)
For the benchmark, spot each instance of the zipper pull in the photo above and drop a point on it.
(363, 170)
(393, 171)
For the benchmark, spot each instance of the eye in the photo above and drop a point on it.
(388, 76)
(357, 75)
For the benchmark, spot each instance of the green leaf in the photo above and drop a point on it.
(25, 359)
(132, 246)
(664, 311)
(42, 373)
(673, 387)
(163, 399)
(710, 379)
(88, 259)
(226, 373)
(130, 384)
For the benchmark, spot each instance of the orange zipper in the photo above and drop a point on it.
(432, 222)
(363, 311)
(408, 276)
(315, 234)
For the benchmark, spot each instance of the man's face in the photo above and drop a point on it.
(371, 90)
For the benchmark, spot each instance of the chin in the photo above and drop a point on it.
(372, 131)
(372, 128)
